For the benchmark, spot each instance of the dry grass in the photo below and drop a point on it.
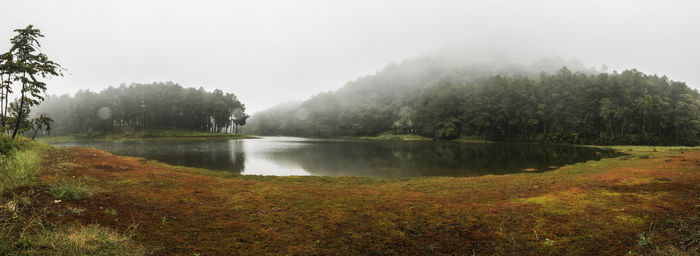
(82, 240)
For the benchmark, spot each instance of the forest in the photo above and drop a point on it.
(514, 104)
(132, 107)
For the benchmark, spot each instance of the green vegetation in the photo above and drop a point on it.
(19, 167)
(112, 212)
(24, 64)
(145, 110)
(147, 133)
(122, 110)
(70, 189)
(396, 137)
(425, 98)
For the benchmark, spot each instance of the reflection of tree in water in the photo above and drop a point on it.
(216, 155)
(237, 153)
(408, 159)
(361, 158)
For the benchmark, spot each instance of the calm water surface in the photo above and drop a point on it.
(334, 157)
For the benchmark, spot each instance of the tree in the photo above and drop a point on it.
(128, 108)
(43, 121)
(239, 118)
(6, 71)
(29, 65)
(13, 116)
(559, 107)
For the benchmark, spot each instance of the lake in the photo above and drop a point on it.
(283, 156)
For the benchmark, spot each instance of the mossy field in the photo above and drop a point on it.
(646, 202)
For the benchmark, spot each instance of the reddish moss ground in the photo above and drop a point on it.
(594, 208)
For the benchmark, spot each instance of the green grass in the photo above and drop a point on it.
(71, 189)
(21, 166)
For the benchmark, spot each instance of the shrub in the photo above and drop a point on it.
(6, 145)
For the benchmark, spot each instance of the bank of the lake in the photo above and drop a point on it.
(414, 137)
(150, 133)
(644, 202)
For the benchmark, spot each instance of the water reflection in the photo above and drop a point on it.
(299, 156)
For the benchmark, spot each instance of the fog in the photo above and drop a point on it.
(268, 52)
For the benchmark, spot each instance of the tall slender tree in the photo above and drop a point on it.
(29, 65)
(6, 71)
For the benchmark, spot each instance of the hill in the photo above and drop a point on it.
(543, 101)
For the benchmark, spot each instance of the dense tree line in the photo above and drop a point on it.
(130, 108)
(578, 107)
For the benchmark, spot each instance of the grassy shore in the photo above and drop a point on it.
(31, 221)
(394, 137)
(646, 202)
(148, 134)
(417, 137)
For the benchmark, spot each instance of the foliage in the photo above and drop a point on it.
(13, 112)
(137, 107)
(25, 64)
(558, 107)
(448, 129)
(6, 145)
(41, 122)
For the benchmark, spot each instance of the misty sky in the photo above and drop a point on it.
(269, 52)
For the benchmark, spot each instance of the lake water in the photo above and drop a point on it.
(341, 157)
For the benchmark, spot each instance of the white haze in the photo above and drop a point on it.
(269, 52)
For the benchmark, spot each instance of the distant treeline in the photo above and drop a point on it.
(129, 108)
(559, 107)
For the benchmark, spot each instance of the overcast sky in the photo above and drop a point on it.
(269, 52)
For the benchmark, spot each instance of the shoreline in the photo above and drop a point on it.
(71, 138)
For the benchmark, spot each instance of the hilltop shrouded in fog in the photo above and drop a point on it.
(549, 101)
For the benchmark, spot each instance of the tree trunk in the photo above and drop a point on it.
(4, 109)
(19, 114)
(2, 96)
(35, 131)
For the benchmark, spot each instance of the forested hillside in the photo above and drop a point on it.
(500, 103)
(129, 108)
